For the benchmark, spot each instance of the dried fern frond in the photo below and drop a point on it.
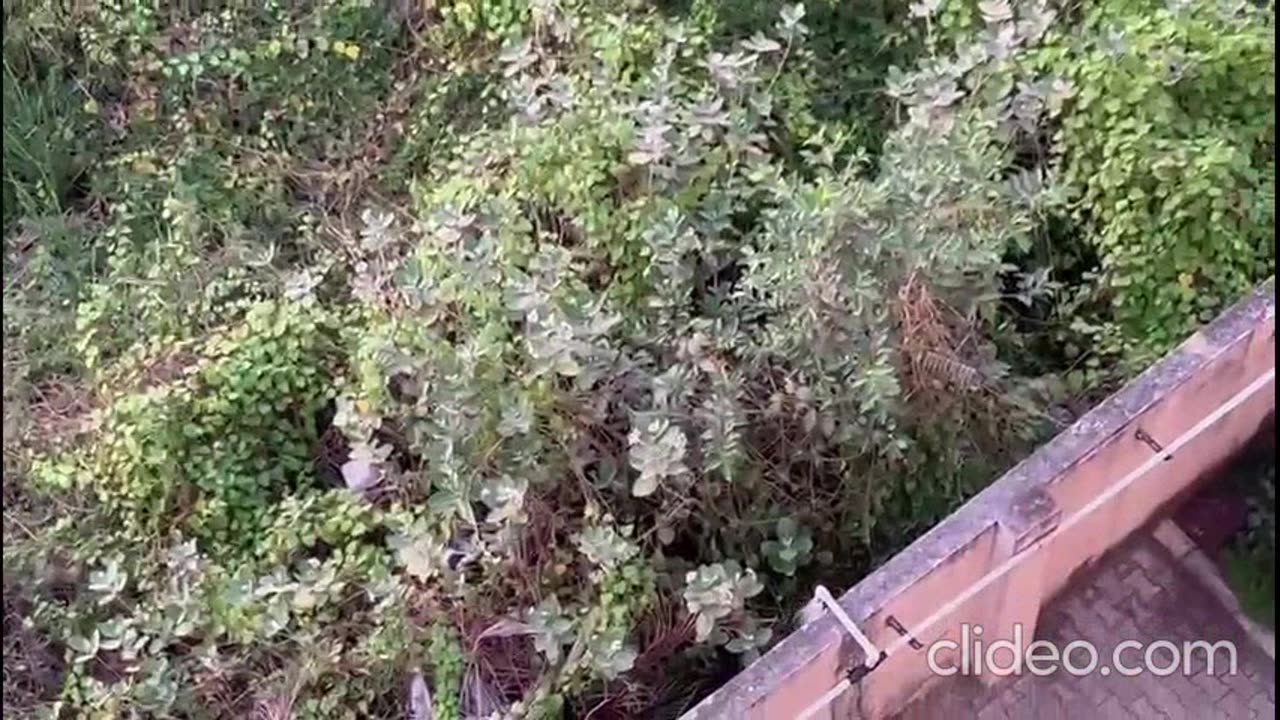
(956, 372)
(928, 343)
(276, 708)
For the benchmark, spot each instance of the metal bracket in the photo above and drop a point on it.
(1144, 437)
(893, 622)
(856, 673)
(873, 654)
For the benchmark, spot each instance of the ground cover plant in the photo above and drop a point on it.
(533, 358)
(1245, 561)
(1248, 558)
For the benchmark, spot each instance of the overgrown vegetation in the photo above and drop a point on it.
(1171, 145)
(533, 358)
(1251, 556)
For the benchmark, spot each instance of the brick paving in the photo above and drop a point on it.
(1136, 592)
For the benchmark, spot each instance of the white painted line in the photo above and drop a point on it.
(868, 648)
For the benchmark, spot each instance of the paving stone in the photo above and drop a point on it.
(1142, 584)
(1113, 586)
(1125, 689)
(1112, 709)
(1109, 613)
(1231, 707)
(1262, 705)
(1143, 710)
(1239, 683)
(1212, 688)
(994, 711)
(1163, 698)
(1190, 695)
(1142, 554)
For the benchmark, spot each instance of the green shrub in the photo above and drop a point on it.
(1170, 145)
(215, 449)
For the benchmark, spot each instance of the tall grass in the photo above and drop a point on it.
(42, 147)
